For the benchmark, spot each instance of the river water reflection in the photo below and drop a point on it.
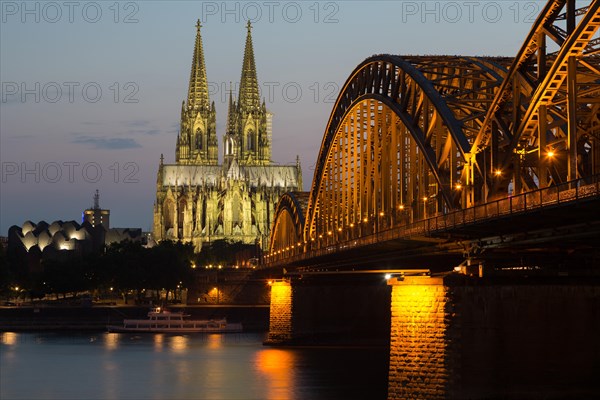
(205, 366)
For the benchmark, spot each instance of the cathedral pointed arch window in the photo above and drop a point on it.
(181, 215)
(250, 140)
(169, 216)
(199, 139)
(229, 146)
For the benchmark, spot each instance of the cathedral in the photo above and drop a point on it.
(199, 200)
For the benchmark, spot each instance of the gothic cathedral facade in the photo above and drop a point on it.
(199, 200)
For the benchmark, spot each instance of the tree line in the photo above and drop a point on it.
(125, 268)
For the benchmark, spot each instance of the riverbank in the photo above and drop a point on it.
(254, 318)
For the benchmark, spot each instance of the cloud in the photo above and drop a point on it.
(174, 128)
(107, 143)
(136, 123)
(19, 137)
(143, 131)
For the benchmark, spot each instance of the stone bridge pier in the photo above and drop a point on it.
(456, 337)
(452, 336)
(330, 309)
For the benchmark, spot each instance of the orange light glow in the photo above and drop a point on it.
(214, 341)
(179, 344)
(276, 366)
(111, 341)
(9, 338)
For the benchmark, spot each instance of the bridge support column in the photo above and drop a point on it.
(422, 339)
(460, 337)
(280, 320)
(330, 309)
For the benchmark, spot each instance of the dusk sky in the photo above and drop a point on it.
(56, 58)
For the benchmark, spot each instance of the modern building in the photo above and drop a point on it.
(95, 215)
(199, 200)
(93, 234)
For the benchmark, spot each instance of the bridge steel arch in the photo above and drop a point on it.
(396, 142)
(287, 235)
(413, 136)
(543, 127)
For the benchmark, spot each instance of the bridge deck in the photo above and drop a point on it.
(562, 211)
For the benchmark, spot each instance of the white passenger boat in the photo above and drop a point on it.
(161, 320)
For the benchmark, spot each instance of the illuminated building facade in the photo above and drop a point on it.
(199, 200)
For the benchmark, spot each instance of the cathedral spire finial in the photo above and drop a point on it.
(230, 112)
(248, 97)
(198, 89)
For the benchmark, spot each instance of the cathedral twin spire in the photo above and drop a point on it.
(198, 89)
(247, 135)
(249, 97)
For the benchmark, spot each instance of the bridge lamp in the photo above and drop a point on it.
(401, 207)
(352, 225)
(339, 229)
(550, 154)
(381, 214)
(329, 233)
(458, 186)
(498, 172)
(388, 277)
(366, 219)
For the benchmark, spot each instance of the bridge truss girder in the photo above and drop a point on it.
(543, 126)
(397, 141)
(287, 235)
(412, 136)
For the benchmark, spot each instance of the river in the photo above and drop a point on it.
(199, 366)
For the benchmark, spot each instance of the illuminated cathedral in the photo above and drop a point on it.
(199, 200)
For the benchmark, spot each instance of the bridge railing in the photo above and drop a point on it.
(553, 196)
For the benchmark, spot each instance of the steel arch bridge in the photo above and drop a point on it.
(412, 137)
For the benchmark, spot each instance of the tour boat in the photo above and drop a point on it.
(161, 320)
